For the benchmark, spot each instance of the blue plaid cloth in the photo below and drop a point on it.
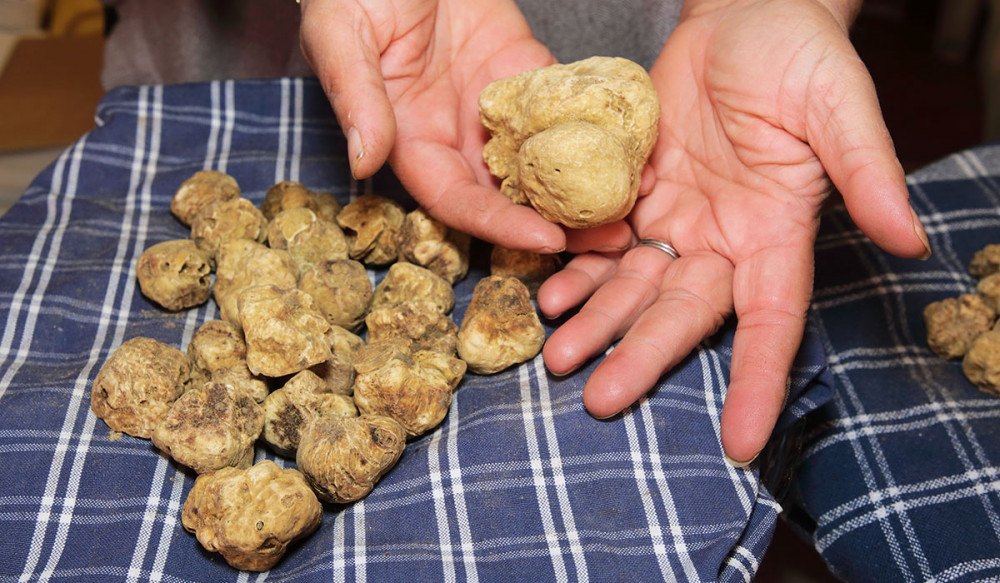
(518, 483)
(899, 481)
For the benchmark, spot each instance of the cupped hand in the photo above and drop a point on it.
(404, 77)
(765, 107)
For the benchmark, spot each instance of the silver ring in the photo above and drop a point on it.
(657, 244)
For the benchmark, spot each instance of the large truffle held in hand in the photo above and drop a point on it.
(572, 139)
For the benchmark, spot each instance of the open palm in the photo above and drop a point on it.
(764, 104)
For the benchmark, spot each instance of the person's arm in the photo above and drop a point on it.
(765, 107)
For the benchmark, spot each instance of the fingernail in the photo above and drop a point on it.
(355, 149)
(918, 227)
(738, 464)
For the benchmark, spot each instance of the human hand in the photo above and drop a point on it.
(404, 78)
(764, 104)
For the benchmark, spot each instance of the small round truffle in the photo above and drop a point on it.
(344, 457)
(989, 289)
(981, 363)
(289, 408)
(986, 261)
(420, 323)
(211, 427)
(342, 291)
(500, 327)
(218, 353)
(251, 516)
(215, 346)
(284, 331)
(137, 385)
(243, 264)
(290, 194)
(372, 224)
(237, 218)
(953, 323)
(406, 282)
(175, 274)
(427, 242)
(531, 268)
(200, 190)
(412, 387)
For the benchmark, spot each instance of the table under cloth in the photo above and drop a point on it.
(519, 483)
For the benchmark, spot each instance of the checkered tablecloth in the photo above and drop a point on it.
(900, 479)
(518, 484)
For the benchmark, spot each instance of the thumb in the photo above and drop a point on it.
(854, 146)
(339, 41)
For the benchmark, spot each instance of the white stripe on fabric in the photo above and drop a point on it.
(45, 508)
(169, 527)
(296, 162)
(145, 191)
(282, 153)
(339, 544)
(558, 477)
(71, 157)
(141, 175)
(956, 428)
(962, 570)
(538, 476)
(656, 534)
(176, 478)
(458, 493)
(440, 509)
(214, 125)
(850, 398)
(744, 485)
(360, 553)
(135, 572)
(229, 117)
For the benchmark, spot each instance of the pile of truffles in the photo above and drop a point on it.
(572, 139)
(287, 364)
(966, 326)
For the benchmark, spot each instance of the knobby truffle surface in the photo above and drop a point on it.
(222, 221)
(419, 322)
(200, 190)
(953, 323)
(251, 516)
(572, 139)
(301, 399)
(372, 224)
(413, 387)
(244, 264)
(427, 242)
(406, 282)
(308, 238)
(284, 331)
(529, 267)
(175, 274)
(342, 291)
(500, 327)
(211, 427)
(137, 385)
(344, 457)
